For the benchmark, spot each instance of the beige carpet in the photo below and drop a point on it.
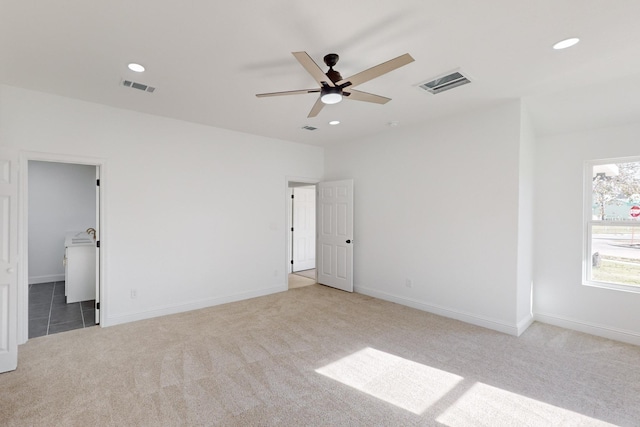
(296, 281)
(311, 274)
(318, 356)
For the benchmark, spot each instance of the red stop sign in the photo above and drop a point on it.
(634, 211)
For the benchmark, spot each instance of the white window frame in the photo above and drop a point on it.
(589, 222)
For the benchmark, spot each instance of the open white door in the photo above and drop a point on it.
(8, 261)
(97, 305)
(335, 234)
(304, 228)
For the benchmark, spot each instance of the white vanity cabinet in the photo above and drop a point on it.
(80, 267)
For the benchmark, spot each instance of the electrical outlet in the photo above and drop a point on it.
(408, 283)
(134, 293)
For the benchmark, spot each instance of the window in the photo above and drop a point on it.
(612, 224)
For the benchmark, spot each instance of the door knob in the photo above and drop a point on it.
(348, 241)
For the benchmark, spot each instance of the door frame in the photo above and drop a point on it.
(287, 212)
(23, 229)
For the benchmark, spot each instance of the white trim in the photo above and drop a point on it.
(524, 324)
(189, 306)
(634, 289)
(23, 228)
(597, 162)
(34, 280)
(616, 334)
(587, 212)
(302, 180)
(474, 319)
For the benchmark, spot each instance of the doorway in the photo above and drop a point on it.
(61, 277)
(301, 237)
(332, 233)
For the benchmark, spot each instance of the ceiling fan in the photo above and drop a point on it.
(333, 87)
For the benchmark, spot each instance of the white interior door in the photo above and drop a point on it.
(97, 260)
(8, 261)
(335, 234)
(304, 228)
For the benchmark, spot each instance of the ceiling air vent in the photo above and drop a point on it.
(139, 86)
(445, 82)
(309, 128)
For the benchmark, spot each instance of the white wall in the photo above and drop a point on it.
(178, 226)
(62, 197)
(559, 296)
(525, 223)
(444, 204)
(439, 205)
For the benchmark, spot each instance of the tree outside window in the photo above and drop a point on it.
(614, 228)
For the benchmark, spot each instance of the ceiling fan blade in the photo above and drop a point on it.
(312, 68)
(316, 108)
(364, 96)
(290, 92)
(376, 71)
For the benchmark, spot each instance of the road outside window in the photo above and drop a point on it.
(613, 224)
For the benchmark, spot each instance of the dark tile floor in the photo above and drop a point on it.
(49, 312)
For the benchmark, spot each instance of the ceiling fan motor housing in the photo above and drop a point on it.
(331, 60)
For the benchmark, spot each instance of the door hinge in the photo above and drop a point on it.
(98, 244)
(98, 306)
(291, 262)
(98, 182)
(291, 228)
(292, 196)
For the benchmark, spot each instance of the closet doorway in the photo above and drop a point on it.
(63, 241)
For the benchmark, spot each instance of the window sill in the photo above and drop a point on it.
(612, 286)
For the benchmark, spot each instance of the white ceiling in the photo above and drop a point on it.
(208, 59)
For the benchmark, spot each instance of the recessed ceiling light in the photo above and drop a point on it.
(566, 43)
(334, 122)
(136, 67)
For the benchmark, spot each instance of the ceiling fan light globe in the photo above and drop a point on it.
(331, 98)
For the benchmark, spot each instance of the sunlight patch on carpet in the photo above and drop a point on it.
(483, 404)
(401, 382)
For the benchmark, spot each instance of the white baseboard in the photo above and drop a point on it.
(616, 334)
(525, 323)
(189, 306)
(34, 280)
(474, 319)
